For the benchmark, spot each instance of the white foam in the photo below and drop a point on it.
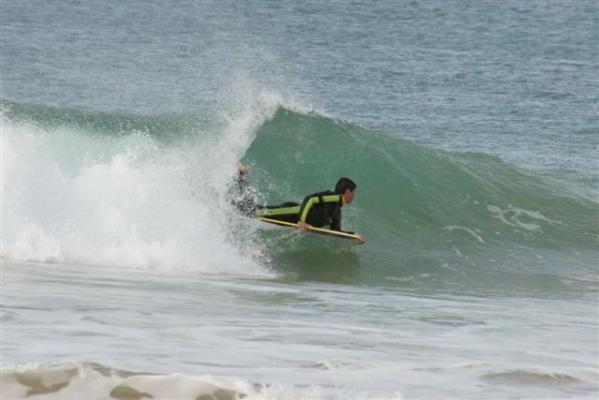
(93, 381)
(470, 231)
(341, 364)
(77, 197)
(513, 216)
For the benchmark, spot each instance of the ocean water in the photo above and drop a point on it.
(471, 129)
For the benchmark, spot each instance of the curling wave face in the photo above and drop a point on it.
(454, 217)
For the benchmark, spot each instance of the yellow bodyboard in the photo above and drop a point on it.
(322, 231)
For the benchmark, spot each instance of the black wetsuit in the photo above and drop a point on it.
(318, 209)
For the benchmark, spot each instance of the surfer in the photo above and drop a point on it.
(318, 209)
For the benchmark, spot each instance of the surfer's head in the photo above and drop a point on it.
(346, 188)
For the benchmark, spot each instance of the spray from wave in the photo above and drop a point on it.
(101, 188)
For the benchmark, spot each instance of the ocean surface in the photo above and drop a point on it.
(471, 129)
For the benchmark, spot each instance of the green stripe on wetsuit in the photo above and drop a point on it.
(330, 198)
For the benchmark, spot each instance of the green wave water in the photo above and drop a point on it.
(428, 214)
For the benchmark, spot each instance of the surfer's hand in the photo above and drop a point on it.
(302, 226)
(243, 169)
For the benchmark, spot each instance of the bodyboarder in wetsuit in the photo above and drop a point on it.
(318, 209)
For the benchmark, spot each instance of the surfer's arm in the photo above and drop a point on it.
(244, 198)
(336, 220)
(304, 210)
(336, 223)
(307, 204)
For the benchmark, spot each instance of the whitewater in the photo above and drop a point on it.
(471, 131)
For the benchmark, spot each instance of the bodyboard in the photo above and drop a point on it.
(350, 237)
